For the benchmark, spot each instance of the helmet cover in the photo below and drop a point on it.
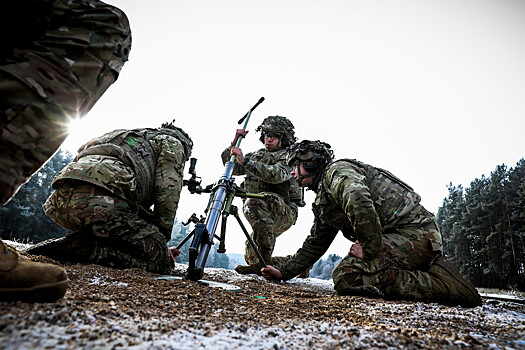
(278, 125)
(313, 154)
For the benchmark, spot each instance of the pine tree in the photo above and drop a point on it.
(323, 269)
(23, 218)
(215, 259)
(476, 222)
(515, 204)
(449, 214)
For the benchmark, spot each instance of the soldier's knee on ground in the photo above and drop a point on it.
(350, 280)
(346, 278)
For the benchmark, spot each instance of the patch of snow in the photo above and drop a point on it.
(17, 245)
(316, 283)
(103, 282)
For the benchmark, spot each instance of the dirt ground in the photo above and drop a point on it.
(111, 309)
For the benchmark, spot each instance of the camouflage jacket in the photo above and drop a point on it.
(267, 171)
(144, 166)
(361, 201)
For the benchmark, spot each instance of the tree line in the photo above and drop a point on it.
(483, 228)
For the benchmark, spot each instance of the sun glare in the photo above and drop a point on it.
(74, 125)
(74, 130)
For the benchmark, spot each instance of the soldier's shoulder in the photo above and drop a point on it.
(342, 168)
(340, 164)
(258, 154)
(166, 137)
(167, 144)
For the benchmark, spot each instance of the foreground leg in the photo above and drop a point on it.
(269, 218)
(26, 280)
(58, 61)
(258, 215)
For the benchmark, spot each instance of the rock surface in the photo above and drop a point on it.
(109, 309)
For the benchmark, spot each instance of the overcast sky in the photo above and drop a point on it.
(433, 91)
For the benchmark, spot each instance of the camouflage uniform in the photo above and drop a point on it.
(105, 194)
(399, 237)
(59, 58)
(267, 172)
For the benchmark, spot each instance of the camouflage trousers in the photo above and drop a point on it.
(114, 228)
(269, 218)
(53, 78)
(399, 272)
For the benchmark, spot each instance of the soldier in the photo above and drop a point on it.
(398, 249)
(104, 196)
(59, 58)
(266, 171)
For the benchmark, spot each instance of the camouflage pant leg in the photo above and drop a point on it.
(399, 272)
(54, 78)
(122, 239)
(269, 219)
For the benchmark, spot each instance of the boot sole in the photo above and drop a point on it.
(454, 272)
(42, 293)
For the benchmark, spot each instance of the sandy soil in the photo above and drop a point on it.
(111, 309)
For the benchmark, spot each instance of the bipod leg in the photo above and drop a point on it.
(185, 239)
(222, 238)
(250, 240)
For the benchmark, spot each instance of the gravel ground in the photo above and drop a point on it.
(113, 309)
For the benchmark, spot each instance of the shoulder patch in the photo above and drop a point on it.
(131, 141)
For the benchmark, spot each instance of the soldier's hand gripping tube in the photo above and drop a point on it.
(219, 196)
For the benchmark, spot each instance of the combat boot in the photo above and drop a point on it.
(76, 246)
(250, 269)
(449, 287)
(255, 268)
(26, 280)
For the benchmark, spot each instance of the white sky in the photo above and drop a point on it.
(433, 91)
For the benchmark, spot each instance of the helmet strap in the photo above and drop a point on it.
(301, 176)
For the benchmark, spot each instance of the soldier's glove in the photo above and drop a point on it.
(273, 198)
(174, 253)
(239, 132)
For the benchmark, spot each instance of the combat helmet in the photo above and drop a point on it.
(314, 155)
(181, 135)
(278, 125)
